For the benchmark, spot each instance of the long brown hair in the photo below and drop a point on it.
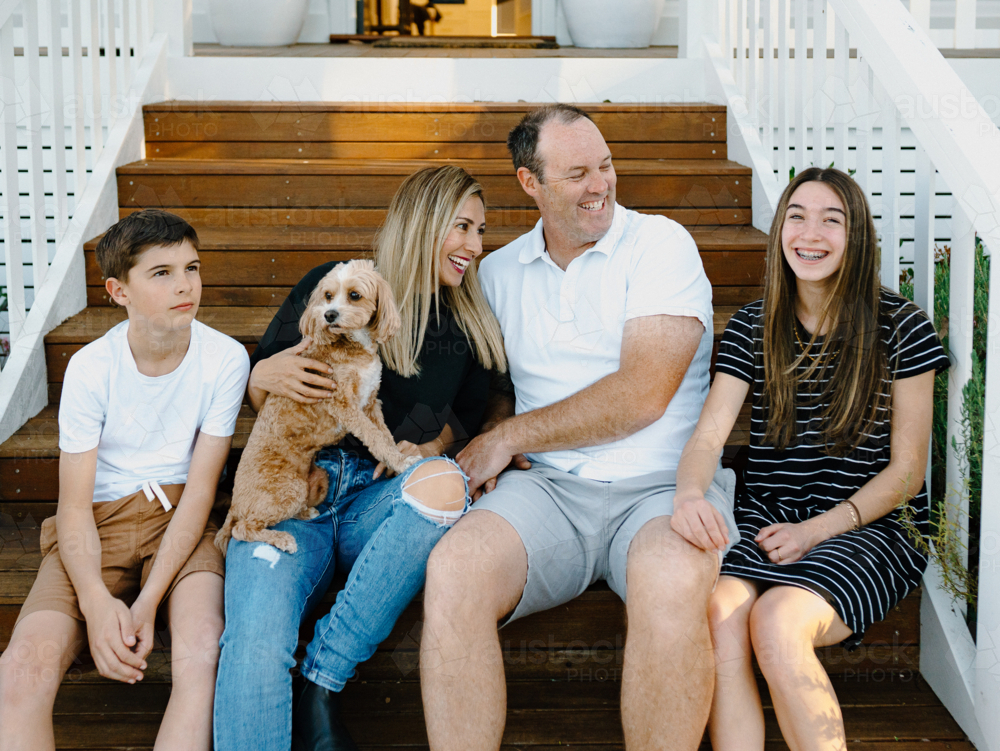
(407, 249)
(852, 357)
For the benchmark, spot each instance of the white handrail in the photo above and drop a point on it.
(59, 212)
(898, 89)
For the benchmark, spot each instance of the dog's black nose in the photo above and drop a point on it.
(331, 316)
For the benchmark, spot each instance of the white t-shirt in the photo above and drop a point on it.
(563, 329)
(145, 427)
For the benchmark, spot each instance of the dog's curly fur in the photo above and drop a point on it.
(349, 313)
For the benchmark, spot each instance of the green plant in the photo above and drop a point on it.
(947, 521)
(791, 171)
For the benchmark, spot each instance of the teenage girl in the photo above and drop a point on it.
(841, 375)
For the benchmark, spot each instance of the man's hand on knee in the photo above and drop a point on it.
(483, 459)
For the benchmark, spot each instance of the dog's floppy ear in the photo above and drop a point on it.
(310, 324)
(385, 323)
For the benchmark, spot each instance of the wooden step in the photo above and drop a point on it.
(302, 122)
(509, 216)
(542, 715)
(167, 183)
(248, 266)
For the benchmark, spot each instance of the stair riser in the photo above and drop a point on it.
(272, 268)
(421, 127)
(210, 150)
(367, 191)
(523, 217)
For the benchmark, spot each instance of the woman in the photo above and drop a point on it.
(434, 387)
(842, 372)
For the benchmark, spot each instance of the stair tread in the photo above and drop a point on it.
(403, 167)
(175, 105)
(39, 437)
(733, 238)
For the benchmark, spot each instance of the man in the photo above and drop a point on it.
(607, 320)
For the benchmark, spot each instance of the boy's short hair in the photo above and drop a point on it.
(119, 250)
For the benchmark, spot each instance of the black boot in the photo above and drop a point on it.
(316, 724)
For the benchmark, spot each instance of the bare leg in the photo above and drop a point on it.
(438, 486)
(475, 576)
(669, 666)
(41, 649)
(195, 612)
(786, 625)
(737, 720)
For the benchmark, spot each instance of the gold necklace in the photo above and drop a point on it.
(805, 349)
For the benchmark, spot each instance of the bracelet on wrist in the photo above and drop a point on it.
(855, 515)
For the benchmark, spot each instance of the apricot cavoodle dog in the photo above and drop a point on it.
(349, 313)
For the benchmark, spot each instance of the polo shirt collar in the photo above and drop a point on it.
(534, 246)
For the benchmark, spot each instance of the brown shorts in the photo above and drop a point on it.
(130, 530)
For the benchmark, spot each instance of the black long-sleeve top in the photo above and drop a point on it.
(451, 388)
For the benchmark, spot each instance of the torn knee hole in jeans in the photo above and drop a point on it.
(267, 553)
(448, 515)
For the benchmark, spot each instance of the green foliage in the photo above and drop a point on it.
(791, 171)
(947, 521)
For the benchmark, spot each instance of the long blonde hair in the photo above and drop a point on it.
(407, 254)
(852, 356)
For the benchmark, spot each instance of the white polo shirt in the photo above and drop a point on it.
(563, 329)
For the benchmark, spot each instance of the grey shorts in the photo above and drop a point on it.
(578, 531)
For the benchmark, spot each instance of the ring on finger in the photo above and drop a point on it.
(779, 555)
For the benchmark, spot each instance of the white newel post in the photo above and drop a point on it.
(173, 18)
(697, 18)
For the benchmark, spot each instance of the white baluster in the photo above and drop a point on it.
(16, 310)
(801, 15)
(97, 108)
(753, 94)
(841, 72)
(729, 37)
(36, 175)
(865, 127)
(782, 163)
(965, 24)
(739, 69)
(923, 232)
(890, 192)
(111, 62)
(767, 80)
(960, 318)
(140, 30)
(819, 83)
(126, 47)
(58, 120)
(80, 103)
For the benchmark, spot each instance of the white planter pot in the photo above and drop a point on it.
(622, 23)
(257, 23)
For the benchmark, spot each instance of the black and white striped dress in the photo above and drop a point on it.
(862, 574)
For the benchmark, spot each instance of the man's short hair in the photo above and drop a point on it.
(522, 142)
(119, 250)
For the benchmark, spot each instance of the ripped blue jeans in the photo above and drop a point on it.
(375, 529)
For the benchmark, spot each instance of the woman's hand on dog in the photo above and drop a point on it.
(289, 374)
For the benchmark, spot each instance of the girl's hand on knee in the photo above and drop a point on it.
(786, 543)
(700, 523)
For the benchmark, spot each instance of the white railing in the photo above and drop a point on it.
(959, 24)
(73, 77)
(847, 86)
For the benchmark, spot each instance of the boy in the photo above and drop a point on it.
(145, 422)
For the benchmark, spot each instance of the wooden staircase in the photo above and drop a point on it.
(275, 189)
